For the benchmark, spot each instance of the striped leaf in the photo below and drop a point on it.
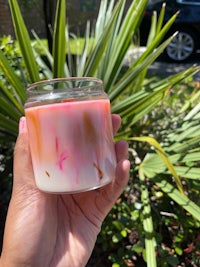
(24, 41)
(59, 40)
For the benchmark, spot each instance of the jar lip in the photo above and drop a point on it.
(57, 89)
(33, 86)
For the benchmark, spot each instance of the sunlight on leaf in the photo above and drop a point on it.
(24, 41)
(162, 154)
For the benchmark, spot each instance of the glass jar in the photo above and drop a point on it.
(70, 134)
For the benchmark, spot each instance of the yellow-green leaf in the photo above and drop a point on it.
(160, 151)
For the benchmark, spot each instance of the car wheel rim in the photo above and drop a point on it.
(181, 47)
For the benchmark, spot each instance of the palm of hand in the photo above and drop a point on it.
(78, 224)
(44, 230)
(57, 230)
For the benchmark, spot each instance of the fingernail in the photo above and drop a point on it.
(22, 125)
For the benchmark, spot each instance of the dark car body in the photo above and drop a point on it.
(187, 41)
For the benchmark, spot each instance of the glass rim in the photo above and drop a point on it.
(52, 81)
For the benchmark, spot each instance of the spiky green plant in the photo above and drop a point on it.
(103, 55)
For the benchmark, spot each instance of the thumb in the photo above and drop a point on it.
(23, 170)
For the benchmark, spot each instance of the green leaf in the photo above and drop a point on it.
(128, 78)
(59, 40)
(97, 54)
(192, 113)
(119, 226)
(164, 157)
(161, 18)
(9, 109)
(137, 248)
(117, 238)
(45, 69)
(152, 32)
(8, 126)
(157, 40)
(13, 79)
(178, 250)
(24, 41)
(179, 198)
(153, 165)
(123, 233)
(83, 58)
(188, 172)
(121, 42)
(147, 223)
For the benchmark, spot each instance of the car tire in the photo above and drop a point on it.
(182, 46)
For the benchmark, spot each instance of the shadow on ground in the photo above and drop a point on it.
(163, 68)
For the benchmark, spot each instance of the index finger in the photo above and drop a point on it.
(116, 122)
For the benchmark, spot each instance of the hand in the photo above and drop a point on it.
(46, 230)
